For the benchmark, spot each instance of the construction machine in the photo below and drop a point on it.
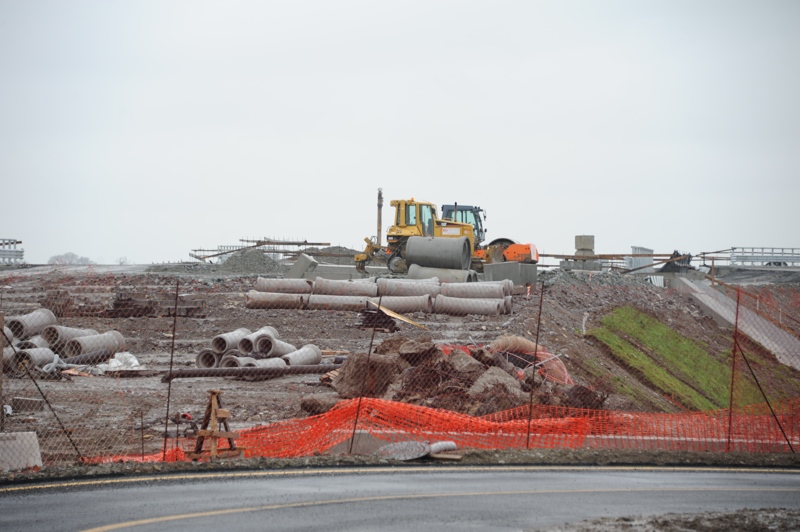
(419, 218)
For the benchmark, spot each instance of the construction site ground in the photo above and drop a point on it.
(574, 303)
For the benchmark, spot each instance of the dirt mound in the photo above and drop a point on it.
(251, 261)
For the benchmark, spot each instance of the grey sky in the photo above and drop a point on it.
(144, 129)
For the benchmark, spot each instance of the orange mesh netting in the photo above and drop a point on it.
(752, 429)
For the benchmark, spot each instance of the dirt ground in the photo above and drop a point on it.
(111, 415)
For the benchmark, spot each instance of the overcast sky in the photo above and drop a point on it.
(146, 129)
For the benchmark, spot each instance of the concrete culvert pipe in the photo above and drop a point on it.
(415, 271)
(248, 343)
(266, 300)
(332, 287)
(459, 306)
(283, 286)
(403, 304)
(8, 336)
(33, 342)
(8, 357)
(395, 287)
(228, 361)
(327, 302)
(507, 304)
(269, 347)
(58, 335)
(207, 358)
(474, 290)
(31, 324)
(271, 363)
(439, 252)
(31, 358)
(229, 340)
(308, 355)
(111, 342)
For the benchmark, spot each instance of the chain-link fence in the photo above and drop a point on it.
(178, 367)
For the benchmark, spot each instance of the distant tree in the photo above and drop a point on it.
(68, 258)
(122, 261)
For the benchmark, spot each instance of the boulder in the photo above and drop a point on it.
(494, 377)
(360, 378)
(318, 403)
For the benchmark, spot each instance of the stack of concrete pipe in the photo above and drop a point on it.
(262, 348)
(36, 339)
(461, 295)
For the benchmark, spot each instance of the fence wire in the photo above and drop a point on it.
(158, 367)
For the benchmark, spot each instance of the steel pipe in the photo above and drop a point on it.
(229, 340)
(263, 300)
(248, 343)
(474, 290)
(249, 372)
(58, 335)
(331, 287)
(459, 306)
(31, 324)
(305, 356)
(423, 303)
(415, 271)
(327, 302)
(439, 252)
(111, 342)
(284, 286)
(395, 287)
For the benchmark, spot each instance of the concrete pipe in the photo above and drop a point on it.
(228, 361)
(33, 342)
(269, 347)
(326, 302)
(283, 286)
(507, 304)
(439, 252)
(330, 287)
(308, 355)
(8, 357)
(227, 341)
(459, 306)
(394, 287)
(8, 336)
(32, 358)
(90, 358)
(58, 335)
(207, 358)
(402, 304)
(271, 363)
(264, 300)
(507, 284)
(248, 343)
(474, 290)
(415, 271)
(31, 324)
(111, 341)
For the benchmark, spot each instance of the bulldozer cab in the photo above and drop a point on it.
(468, 214)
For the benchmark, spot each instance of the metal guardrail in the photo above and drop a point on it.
(766, 256)
(9, 254)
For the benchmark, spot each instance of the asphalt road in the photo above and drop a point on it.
(459, 498)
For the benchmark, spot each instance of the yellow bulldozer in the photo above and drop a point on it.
(420, 218)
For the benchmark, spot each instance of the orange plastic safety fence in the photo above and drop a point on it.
(751, 430)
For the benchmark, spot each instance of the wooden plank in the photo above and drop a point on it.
(217, 434)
